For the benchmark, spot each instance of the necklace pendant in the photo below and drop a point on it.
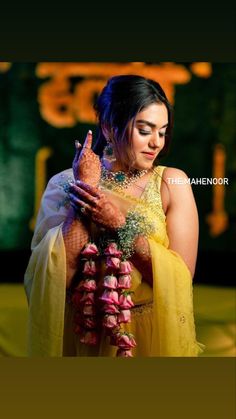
(120, 177)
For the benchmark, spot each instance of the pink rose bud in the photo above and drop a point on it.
(110, 309)
(90, 322)
(106, 297)
(87, 298)
(90, 250)
(89, 268)
(89, 310)
(125, 267)
(76, 298)
(89, 284)
(89, 338)
(124, 281)
(110, 281)
(124, 316)
(115, 297)
(110, 321)
(110, 297)
(125, 301)
(126, 341)
(113, 251)
(124, 353)
(113, 262)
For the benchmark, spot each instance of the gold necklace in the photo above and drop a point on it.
(120, 180)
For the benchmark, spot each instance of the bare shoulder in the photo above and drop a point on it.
(177, 182)
(173, 173)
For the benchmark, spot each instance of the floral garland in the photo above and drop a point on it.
(106, 311)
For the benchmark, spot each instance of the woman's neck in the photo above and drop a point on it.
(113, 166)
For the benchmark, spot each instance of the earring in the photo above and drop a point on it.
(108, 153)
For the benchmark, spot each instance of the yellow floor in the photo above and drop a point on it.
(215, 317)
(13, 320)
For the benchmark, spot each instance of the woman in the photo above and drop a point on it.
(115, 245)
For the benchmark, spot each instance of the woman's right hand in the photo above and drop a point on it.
(96, 205)
(86, 164)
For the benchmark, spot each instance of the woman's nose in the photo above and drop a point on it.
(155, 140)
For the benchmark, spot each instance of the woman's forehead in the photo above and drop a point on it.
(156, 114)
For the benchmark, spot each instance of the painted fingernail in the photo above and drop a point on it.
(77, 144)
(90, 132)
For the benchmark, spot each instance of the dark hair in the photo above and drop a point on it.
(120, 101)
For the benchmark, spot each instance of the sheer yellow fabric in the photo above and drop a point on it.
(162, 319)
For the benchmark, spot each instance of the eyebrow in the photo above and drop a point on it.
(143, 121)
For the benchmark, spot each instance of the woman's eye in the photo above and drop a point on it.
(162, 134)
(143, 132)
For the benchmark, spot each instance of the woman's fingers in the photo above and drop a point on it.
(88, 140)
(91, 198)
(88, 188)
(92, 190)
(78, 148)
(78, 202)
(77, 145)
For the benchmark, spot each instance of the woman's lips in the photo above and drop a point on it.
(150, 156)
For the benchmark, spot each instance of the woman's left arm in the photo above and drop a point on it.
(181, 221)
(182, 217)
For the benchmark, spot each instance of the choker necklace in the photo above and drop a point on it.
(120, 180)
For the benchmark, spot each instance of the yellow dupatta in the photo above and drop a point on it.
(172, 332)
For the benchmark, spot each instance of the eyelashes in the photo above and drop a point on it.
(143, 132)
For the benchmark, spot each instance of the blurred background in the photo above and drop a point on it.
(45, 106)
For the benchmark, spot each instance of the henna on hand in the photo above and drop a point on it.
(86, 164)
(75, 235)
(98, 207)
(106, 214)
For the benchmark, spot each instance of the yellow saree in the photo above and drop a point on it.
(162, 319)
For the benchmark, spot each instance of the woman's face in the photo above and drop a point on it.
(148, 136)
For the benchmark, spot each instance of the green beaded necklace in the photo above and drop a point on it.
(120, 180)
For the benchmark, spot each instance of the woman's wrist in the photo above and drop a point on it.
(75, 217)
(75, 235)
